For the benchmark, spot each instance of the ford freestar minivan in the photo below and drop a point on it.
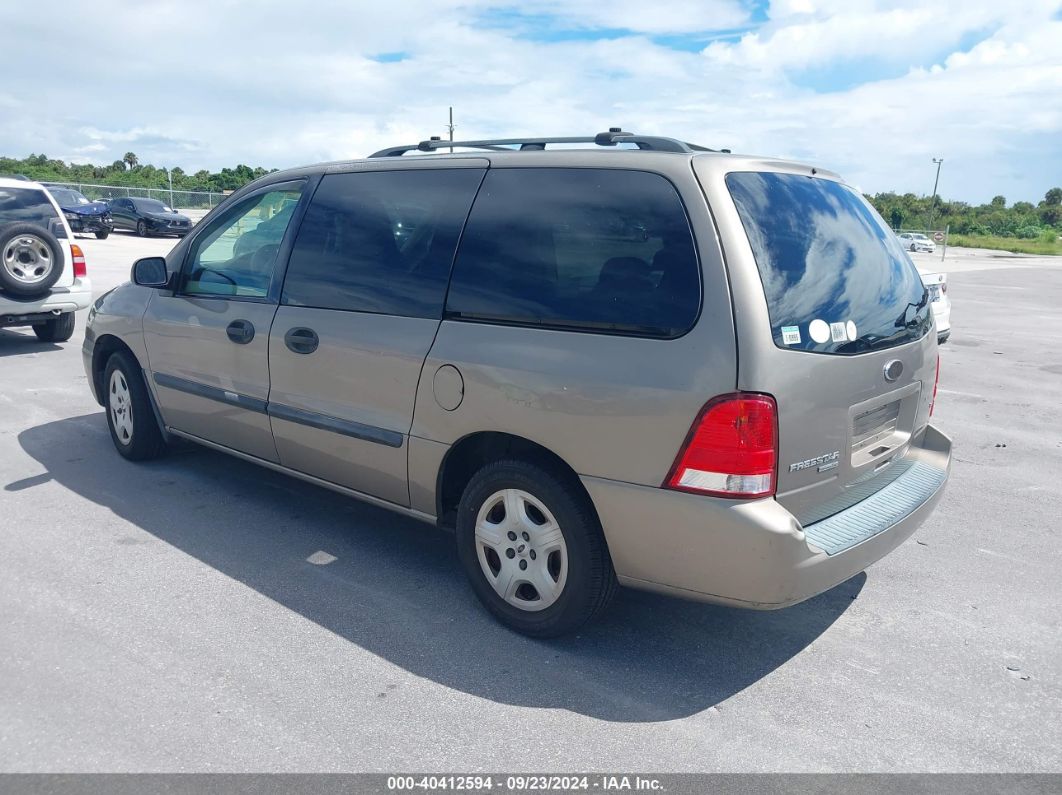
(639, 362)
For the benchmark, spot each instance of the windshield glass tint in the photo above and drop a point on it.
(151, 206)
(835, 279)
(67, 198)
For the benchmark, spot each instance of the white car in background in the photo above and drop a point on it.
(940, 303)
(916, 241)
(43, 278)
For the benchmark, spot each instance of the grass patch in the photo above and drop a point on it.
(1035, 246)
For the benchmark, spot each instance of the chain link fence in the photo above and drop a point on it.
(178, 199)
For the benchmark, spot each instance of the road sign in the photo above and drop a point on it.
(938, 236)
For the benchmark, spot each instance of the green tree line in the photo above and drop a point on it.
(129, 172)
(1022, 219)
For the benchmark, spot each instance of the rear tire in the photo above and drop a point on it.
(130, 417)
(59, 330)
(532, 548)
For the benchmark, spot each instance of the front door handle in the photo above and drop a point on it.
(301, 340)
(240, 331)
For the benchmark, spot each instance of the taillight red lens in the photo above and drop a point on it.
(77, 257)
(936, 380)
(731, 450)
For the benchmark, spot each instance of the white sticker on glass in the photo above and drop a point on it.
(838, 332)
(850, 327)
(819, 331)
(791, 335)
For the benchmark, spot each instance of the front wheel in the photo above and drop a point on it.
(142, 230)
(58, 330)
(102, 235)
(532, 548)
(134, 431)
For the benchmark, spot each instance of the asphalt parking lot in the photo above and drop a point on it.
(165, 617)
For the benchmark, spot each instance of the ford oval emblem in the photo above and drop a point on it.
(893, 370)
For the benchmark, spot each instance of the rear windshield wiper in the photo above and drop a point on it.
(901, 321)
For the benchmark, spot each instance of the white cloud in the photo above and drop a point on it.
(676, 16)
(278, 84)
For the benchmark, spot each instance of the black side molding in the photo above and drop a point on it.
(369, 433)
(210, 392)
(356, 430)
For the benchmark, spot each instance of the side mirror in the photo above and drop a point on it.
(150, 272)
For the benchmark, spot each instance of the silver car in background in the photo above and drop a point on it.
(916, 241)
(640, 362)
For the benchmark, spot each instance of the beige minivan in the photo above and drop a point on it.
(608, 360)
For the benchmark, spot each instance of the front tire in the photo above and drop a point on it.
(58, 330)
(142, 230)
(134, 431)
(102, 235)
(532, 548)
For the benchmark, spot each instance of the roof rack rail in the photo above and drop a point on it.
(615, 135)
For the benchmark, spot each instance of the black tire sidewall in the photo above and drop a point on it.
(59, 330)
(141, 228)
(7, 283)
(147, 439)
(578, 601)
(102, 235)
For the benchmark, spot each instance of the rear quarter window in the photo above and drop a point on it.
(834, 276)
(27, 205)
(597, 250)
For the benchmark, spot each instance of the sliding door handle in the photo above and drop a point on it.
(301, 340)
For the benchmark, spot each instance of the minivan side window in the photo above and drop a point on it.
(235, 255)
(380, 241)
(603, 250)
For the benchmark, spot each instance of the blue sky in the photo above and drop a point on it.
(873, 90)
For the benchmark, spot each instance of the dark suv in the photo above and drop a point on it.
(659, 366)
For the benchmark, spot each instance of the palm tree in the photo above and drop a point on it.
(130, 160)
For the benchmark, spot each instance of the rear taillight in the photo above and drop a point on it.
(936, 380)
(731, 450)
(77, 257)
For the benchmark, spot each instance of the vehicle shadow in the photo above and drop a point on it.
(18, 342)
(395, 587)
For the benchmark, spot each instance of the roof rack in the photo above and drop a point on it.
(615, 135)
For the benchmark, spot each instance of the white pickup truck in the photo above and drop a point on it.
(43, 278)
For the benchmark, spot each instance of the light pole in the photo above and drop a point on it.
(933, 201)
(169, 176)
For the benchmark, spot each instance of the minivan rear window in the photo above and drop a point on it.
(835, 279)
(578, 249)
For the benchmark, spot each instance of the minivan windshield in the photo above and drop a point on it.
(834, 276)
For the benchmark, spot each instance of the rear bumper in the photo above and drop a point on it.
(59, 299)
(756, 554)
